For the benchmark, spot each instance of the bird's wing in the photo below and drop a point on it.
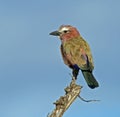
(85, 59)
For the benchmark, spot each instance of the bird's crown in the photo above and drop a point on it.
(65, 28)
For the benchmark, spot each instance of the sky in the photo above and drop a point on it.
(32, 72)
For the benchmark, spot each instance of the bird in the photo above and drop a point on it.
(76, 53)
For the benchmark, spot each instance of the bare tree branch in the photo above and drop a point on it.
(87, 100)
(64, 102)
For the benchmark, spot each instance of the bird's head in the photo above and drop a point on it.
(66, 32)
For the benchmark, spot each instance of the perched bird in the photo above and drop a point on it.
(76, 53)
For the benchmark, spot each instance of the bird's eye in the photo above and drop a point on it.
(65, 31)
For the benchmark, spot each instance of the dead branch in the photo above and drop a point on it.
(87, 100)
(63, 103)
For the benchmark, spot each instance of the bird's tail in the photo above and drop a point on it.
(90, 79)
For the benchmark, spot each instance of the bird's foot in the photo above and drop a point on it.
(73, 77)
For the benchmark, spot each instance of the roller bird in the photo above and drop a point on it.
(76, 53)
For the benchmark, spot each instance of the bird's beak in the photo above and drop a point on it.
(55, 33)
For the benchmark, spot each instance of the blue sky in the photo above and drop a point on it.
(32, 73)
